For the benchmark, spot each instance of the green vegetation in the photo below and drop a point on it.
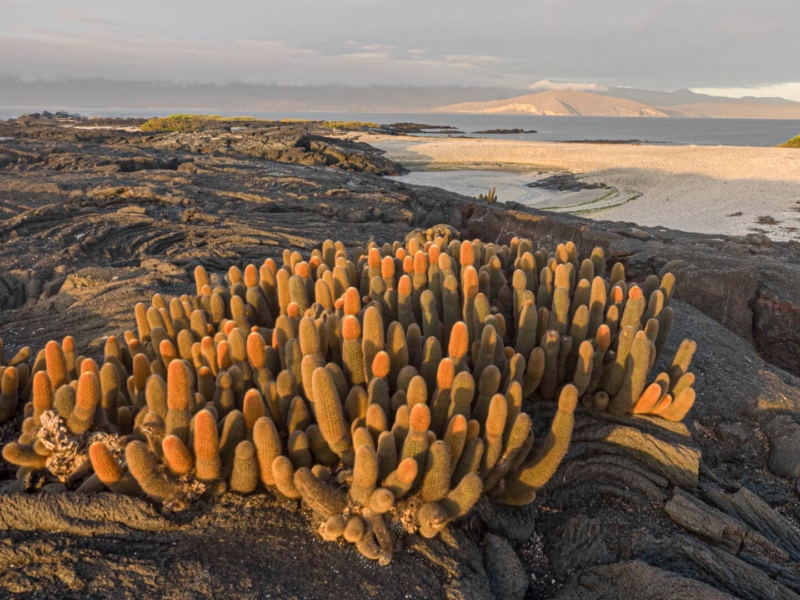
(185, 122)
(349, 125)
(792, 143)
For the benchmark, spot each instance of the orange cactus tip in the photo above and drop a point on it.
(293, 310)
(467, 254)
(252, 407)
(177, 455)
(433, 255)
(568, 399)
(459, 340)
(302, 269)
(229, 326)
(404, 286)
(223, 349)
(387, 268)
(381, 365)
(420, 418)
(445, 374)
(407, 470)
(42, 390)
(458, 424)
(350, 328)
(89, 366)
(420, 263)
(206, 441)
(603, 337)
(167, 349)
(408, 265)
(105, 466)
(207, 343)
(206, 290)
(635, 293)
(10, 380)
(339, 304)
(352, 301)
(251, 276)
(204, 372)
(69, 344)
(616, 294)
(234, 274)
(374, 258)
(252, 394)
(88, 390)
(256, 350)
(179, 386)
(494, 263)
(314, 263)
(401, 253)
(270, 264)
(444, 261)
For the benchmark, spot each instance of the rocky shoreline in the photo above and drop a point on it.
(93, 221)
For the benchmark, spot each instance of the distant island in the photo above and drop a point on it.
(568, 103)
(506, 131)
(83, 94)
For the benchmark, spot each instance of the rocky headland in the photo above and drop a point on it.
(94, 220)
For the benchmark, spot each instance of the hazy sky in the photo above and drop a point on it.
(654, 44)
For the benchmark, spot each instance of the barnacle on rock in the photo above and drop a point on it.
(383, 384)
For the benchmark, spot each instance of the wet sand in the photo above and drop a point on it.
(707, 189)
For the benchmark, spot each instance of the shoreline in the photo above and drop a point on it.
(730, 190)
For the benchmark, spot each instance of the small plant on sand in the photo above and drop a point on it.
(386, 387)
(490, 197)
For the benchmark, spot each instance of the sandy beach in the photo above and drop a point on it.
(707, 189)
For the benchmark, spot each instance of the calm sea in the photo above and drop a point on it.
(707, 132)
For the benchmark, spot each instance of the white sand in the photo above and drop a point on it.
(691, 188)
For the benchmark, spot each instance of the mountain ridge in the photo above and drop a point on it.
(625, 102)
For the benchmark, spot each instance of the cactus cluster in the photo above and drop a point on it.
(14, 378)
(379, 385)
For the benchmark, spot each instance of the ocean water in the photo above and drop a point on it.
(509, 186)
(705, 132)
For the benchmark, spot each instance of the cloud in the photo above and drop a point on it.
(661, 44)
(142, 57)
(790, 91)
(579, 86)
(77, 17)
